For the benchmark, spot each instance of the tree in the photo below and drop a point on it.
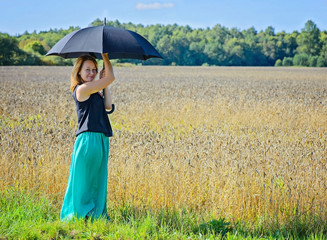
(270, 45)
(215, 53)
(183, 45)
(290, 44)
(322, 60)
(166, 49)
(287, 61)
(313, 61)
(308, 41)
(270, 31)
(301, 60)
(8, 49)
(234, 50)
(36, 47)
(11, 54)
(278, 63)
(214, 48)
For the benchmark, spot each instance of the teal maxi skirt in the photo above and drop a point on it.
(86, 193)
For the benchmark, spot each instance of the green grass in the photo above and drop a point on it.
(27, 215)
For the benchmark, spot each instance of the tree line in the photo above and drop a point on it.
(183, 45)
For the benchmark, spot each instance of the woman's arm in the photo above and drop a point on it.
(107, 98)
(86, 89)
(106, 90)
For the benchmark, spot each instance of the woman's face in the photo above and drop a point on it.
(88, 71)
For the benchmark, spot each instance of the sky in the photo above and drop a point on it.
(18, 16)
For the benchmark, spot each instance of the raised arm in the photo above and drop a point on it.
(86, 89)
(107, 98)
(106, 90)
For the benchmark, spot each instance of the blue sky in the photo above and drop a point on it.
(41, 15)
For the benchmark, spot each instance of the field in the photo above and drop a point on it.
(246, 145)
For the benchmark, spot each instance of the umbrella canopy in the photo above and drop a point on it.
(117, 42)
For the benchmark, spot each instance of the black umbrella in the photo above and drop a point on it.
(117, 42)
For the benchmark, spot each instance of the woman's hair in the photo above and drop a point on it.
(75, 78)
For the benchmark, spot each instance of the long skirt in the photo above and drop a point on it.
(86, 193)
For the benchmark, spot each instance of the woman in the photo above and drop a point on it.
(87, 184)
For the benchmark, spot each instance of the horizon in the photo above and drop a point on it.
(148, 25)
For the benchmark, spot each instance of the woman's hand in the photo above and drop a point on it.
(107, 69)
(105, 56)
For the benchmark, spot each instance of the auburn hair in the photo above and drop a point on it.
(75, 78)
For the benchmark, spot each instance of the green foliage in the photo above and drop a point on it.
(28, 215)
(8, 49)
(278, 63)
(35, 46)
(308, 41)
(21, 210)
(11, 54)
(182, 45)
(287, 61)
(58, 61)
(313, 61)
(217, 227)
(321, 62)
(301, 59)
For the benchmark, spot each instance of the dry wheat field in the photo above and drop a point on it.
(242, 143)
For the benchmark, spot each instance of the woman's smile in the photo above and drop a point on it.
(88, 71)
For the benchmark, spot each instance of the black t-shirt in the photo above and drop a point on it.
(92, 115)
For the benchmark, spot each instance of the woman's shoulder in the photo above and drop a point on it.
(75, 97)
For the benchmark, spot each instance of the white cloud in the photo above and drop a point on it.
(156, 5)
